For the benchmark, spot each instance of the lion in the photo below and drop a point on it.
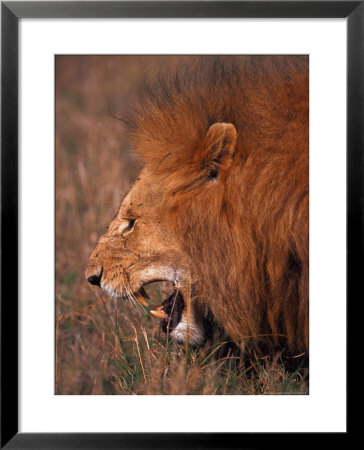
(220, 207)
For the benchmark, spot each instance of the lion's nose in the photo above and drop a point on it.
(94, 279)
(94, 275)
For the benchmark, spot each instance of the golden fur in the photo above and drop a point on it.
(222, 200)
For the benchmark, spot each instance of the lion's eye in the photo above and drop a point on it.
(126, 225)
(130, 225)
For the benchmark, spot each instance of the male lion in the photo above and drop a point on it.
(220, 208)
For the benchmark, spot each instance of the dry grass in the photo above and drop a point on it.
(105, 346)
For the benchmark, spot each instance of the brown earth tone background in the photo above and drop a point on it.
(103, 345)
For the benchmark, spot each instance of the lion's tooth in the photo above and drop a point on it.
(141, 300)
(160, 314)
(143, 293)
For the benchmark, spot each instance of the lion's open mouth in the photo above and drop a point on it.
(172, 307)
(169, 312)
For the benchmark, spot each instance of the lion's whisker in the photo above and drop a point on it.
(131, 298)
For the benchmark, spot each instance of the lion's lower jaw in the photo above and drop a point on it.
(196, 335)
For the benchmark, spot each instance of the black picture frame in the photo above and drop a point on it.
(11, 12)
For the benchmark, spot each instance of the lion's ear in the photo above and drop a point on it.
(217, 149)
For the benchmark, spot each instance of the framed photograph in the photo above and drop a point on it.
(165, 280)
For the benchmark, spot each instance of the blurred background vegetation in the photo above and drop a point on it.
(103, 345)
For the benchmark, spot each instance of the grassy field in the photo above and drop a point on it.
(103, 345)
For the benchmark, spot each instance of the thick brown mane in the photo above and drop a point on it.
(260, 95)
(247, 235)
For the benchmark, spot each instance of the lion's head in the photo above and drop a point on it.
(220, 208)
(143, 244)
(138, 247)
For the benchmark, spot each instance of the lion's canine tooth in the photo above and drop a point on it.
(160, 314)
(141, 300)
(143, 293)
